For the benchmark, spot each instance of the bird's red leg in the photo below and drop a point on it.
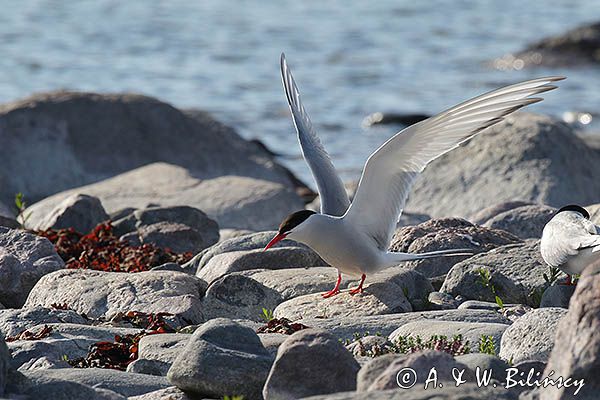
(569, 281)
(335, 290)
(359, 288)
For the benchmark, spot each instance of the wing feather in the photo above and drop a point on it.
(391, 170)
(333, 196)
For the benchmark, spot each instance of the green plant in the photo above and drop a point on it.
(485, 277)
(552, 275)
(487, 345)
(267, 315)
(234, 397)
(21, 205)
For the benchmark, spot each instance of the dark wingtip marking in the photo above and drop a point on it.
(294, 219)
(576, 208)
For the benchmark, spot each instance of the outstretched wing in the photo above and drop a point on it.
(390, 171)
(333, 196)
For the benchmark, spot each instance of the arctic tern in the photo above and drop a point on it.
(570, 241)
(354, 238)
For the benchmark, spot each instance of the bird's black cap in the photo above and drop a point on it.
(293, 220)
(575, 207)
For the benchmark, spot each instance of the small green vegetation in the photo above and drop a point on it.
(487, 345)
(21, 205)
(485, 277)
(267, 315)
(234, 397)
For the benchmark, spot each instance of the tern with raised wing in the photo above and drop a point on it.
(570, 241)
(354, 237)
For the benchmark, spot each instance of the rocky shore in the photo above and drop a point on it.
(138, 271)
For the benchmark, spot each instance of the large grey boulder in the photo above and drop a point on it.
(24, 259)
(576, 351)
(295, 282)
(471, 332)
(73, 139)
(124, 383)
(15, 321)
(78, 211)
(525, 222)
(387, 376)
(222, 358)
(557, 296)
(277, 258)
(310, 362)
(387, 292)
(237, 296)
(530, 167)
(233, 201)
(516, 273)
(250, 241)
(531, 337)
(170, 393)
(347, 327)
(489, 212)
(104, 294)
(178, 228)
(442, 234)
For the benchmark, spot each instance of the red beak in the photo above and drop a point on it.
(279, 237)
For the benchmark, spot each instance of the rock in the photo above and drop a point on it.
(310, 362)
(490, 212)
(226, 234)
(163, 347)
(71, 340)
(516, 272)
(478, 305)
(579, 46)
(421, 362)
(531, 337)
(221, 358)
(237, 296)
(557, 296)
(252, 241)
(233, 201)
(470, 331)
(24, 259)
(124, 383)
(525, 222)
(4, 364)
(295, 282)
(103, 294)
(170, 393)
(272, 341)
(484, 362)
(78, 211)
(594, 210)
(41, 386)
(348, 327)
(54, 131)
(277, 258)
(410, 218)
(576, 352)
(6, 211)
(470, 391)
(9, 222)
(534, 150)
(15, 321)
(149, 367)
(449, 233)
(442, 301)
(132, 219)
(176, 237)
(383, 294)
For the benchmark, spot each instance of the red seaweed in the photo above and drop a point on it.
(28, 335)
(103, 251)
(281, 325)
